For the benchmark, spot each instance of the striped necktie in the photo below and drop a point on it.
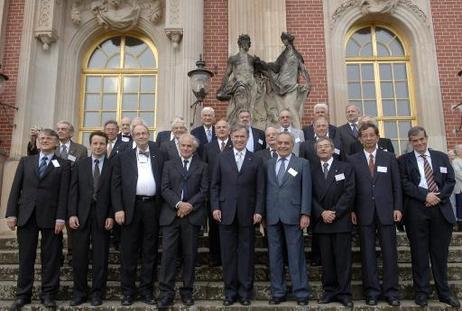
(432, 186)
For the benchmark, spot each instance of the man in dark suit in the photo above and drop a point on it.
(378, 206)
(125, 134)
(210, 156)
(384, 144)
(114, 144)
(428, 180)
(256, 140)
(135, 194)
(170, 149)
(288, 210)
(38, 203)
(348, 132)
(184, 188)
(237, 195)
(271, 134)
(319, 110)
(91, 218)
(205, 133)
(164, 136)
(285, 125)
(333, 199)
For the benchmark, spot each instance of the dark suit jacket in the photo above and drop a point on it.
(384, 144)
(196, 179)
(264, 154)
(125, 176)
(347, 138)
(120, 146)
(288, 201)
(128, 138)
(308, 152)
(199, 133)
(77, 150)
(162, 137)
(48, 194)
(336, 193)
(308, 132)
(258, 137)
(211, 153)
(410, 177)
(169, 150)
(238, 194)
(81, 192)
(382, 192)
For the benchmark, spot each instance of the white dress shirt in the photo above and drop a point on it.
(240, 161)
(329, 164)
(250, 141)
(420, 164)
(146, 184)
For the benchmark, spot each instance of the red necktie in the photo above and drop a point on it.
(432, 186)
(371, 164)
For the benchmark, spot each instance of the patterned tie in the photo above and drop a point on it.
(371, 164)
(325, 166)
(96, 175)
(222, 146)
(274, 154)
(109, 148)
(282, 170)
(239, 160)
(63, 153)
(209, 135)
(432, 186)
(354, 129)
(145, 153)
(43, 166)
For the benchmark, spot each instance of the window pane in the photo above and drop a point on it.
(390, 130)
(110, 85)
(147, 102)
(403, 107)
(400, 71)
(387, 89)
(370, 108)
(112, 46)
(401, 89)
(148, 84)
(147, 59)
(382, 50)
(97, 60)
(366, 50)
(352, 49)
(369, 90)
(363, 36)
(148, 117)
(404, 144)
(383, 36)
(85, 139)
(91, 119)
(130, 114)
(385, 72)
(130, 102)
(110, 102)
(134, 46)
(388, 107)
(404, 127)
(92, 102)
(131, 84)
(93, 84)
(396, 146)
(106, 116)
(367, 72)
(396, 48)
(131, 62)
(114, 62)
(354, 90)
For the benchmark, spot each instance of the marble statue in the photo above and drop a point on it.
(121, 15)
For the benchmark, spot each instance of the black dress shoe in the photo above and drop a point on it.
(394, 302)
(452, 301)
(421, 300)
(187, 300)
(48, 302)
(127, 301)
(277, 300)
(371, 301)
(346, 302)
(303, 302)
(19, 303)
(149, 300)
(77, 301)
(165, 302)
(96, 301)
(325, 299)
(228, 302)
(244, 302)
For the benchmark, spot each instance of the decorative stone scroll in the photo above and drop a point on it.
(173, 22)
(45, 29)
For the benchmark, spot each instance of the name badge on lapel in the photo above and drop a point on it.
(443, 170)
(297, 140)
(55, 163)
(339, 177)
(125, 139)
(260, 141)
(71, 157)
(337, 151)
(382, 169)
(292, 172)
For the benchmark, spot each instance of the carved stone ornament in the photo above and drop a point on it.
(377, 7)
(46, 22)
(174, 35)
(173, 22)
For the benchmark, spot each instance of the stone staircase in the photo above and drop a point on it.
(208, 291)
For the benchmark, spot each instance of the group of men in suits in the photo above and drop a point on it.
(239, 177)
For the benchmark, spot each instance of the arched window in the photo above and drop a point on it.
(119, 79)
(378, 73)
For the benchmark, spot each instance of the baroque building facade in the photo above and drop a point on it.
(88, 61)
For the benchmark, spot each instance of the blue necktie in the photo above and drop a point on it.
(43, 166)
(209, 135)
(282, 170)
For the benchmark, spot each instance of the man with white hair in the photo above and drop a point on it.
(285, 122)
(319, 110)
(125, 134)
(170, 148)
(164, 136)
(348, 132)
(205, 133)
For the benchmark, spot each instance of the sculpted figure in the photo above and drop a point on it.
(119, 15)
(378, 6)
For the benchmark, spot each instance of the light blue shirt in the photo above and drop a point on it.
(49, 157)
(100, 164)
(286, 163)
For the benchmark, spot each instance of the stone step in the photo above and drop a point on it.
(9, 242)
(261, 255)
(215, 274)
(216, 305)
(214, 290)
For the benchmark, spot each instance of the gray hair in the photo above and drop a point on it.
(195, 142)
(292, 137)
(321, 105)
(207, 109)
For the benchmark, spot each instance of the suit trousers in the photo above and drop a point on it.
(180, 232)
(140, 236)
(51, 246)
(336, 264)
(290, 235)
(387, 239)
(92, 234)
(237, 252)
(214, 238)
(429, 235)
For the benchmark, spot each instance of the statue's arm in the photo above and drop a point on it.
(305, 74)
(228, 72)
